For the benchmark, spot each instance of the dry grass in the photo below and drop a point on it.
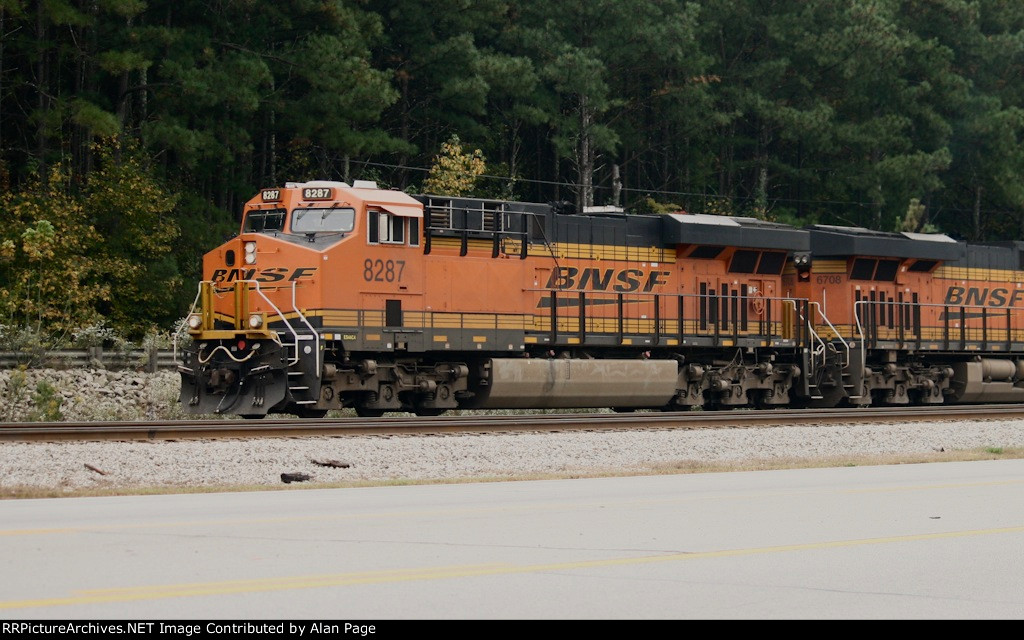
(678, 467)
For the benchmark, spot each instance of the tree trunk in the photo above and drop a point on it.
(976, 232)
(515, 145)
(761, 192)
(403, 159)
(41, 100)
(124, 101)
(666, 169)
(273, 144)
(585, 157)
(3, 184)
(558, 175)
(143, 98)
(616, 185)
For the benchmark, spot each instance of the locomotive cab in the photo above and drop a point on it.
(257, 323)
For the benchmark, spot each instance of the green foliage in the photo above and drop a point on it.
(29, 344)
(98, 335)
(448, 63)
(202, 226)
(719, 207)
(342, 94)
(914, 217)
(13, 393)
(649, 205)
(47, 403)
(72, 257)
(94, 118)
(50, 279)
(133, 210)
(454, 172)
(796, 111)
(788, 215)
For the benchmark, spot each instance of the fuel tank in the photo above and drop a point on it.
(988, 380)
(565, 383)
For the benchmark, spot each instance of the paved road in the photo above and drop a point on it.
(928, 541)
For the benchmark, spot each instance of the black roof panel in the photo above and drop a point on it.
(831, 241)
(731, 231)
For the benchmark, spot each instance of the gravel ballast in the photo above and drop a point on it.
(59, 468)
(226, 463)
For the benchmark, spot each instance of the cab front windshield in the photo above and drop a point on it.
(321, 220)
(264, 220)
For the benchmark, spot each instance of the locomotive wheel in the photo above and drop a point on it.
(256, 417)
(760, 401)
(312, 413)
(363, 412)
(425, 412)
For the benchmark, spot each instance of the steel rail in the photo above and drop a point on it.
(476, 424)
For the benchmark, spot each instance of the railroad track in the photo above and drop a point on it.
(468, 424)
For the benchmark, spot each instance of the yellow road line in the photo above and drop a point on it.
(155, 592)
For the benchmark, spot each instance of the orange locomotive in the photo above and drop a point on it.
(337, 296)
(908, 318)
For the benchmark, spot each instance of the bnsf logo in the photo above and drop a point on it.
(270, 274)
(621, 280)
(984, 296)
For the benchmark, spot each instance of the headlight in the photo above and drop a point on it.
(250, 247)
(194, 321)
(250, 258)
(255, 321)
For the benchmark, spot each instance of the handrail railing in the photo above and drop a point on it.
(732, 316)
(312, 331)
(917, 327)
(256, 286)
(835, 332)
(812, 334)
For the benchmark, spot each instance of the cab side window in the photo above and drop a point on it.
(385, 228)
(414, 232)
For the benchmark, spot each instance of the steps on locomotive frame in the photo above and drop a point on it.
(815, 388)
(815, 391)
(292, 373)
(849, 386)
(846, 381)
